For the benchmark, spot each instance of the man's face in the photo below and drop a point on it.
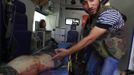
(91, 6)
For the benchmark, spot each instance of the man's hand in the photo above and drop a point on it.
(60, 53)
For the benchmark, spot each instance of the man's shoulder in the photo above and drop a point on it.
(108, 10)
(108, 7)
(112, 11)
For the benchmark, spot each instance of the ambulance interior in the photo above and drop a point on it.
(20, 33)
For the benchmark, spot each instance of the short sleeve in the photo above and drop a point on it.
(109, 19)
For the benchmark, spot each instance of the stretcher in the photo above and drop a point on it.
(60, 67)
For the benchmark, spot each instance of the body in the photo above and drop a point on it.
(31, 64)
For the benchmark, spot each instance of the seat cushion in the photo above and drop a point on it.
(23, 43)
(20, 27)
(20, 18)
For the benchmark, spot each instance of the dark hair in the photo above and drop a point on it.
(102, 1)
(124, 17)
(81, 1)
(41, 23)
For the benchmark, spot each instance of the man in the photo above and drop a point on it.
(105, 33)
(41, 29)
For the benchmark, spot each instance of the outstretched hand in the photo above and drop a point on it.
(60, 54)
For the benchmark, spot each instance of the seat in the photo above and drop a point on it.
(21, 34)
(72, 35)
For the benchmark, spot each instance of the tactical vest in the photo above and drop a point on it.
(109, 44)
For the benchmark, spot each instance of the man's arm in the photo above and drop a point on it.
(93, 35)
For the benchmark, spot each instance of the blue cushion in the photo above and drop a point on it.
(20, 7)
(63, 45)
(20, 18)
(60, 71)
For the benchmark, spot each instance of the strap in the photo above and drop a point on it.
(10, 18)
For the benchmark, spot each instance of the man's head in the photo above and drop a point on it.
(42, 23)
(91, 6)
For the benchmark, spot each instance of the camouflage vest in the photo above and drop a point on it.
(109, 44)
